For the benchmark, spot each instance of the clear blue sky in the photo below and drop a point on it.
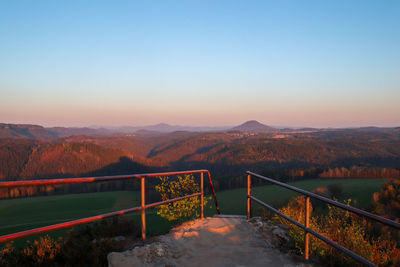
(299, 63)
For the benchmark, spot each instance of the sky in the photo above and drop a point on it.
(289, 63)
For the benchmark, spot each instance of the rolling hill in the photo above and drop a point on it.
(24, 131)
(253, 127)
(319, 153)
(39, 132)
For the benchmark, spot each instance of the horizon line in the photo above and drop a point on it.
(94, 126)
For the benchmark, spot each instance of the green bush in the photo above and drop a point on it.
(183, 209)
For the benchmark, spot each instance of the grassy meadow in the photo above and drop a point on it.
(27, 213)
(360, 190)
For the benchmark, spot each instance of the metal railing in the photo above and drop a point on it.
(305, 227)
(142, 208)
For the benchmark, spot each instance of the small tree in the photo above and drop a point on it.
(183, 209)
(387, 200)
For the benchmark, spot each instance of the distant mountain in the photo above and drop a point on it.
(167, 128)
(374, 129)
(70, 131)
(24, 131)
(146, 132)
(305, 129)
(253, 127)
(39, 132)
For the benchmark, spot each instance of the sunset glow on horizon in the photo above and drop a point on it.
(208, 63)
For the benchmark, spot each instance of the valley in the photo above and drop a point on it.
(281, 154)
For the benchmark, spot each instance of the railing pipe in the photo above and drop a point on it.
(306, 223)
(323, 238)
(248, 196)
(27, 233)
(96, 179)
(142, 208)
(143, 202)
(155, 204)
(332, 202)
(202, 194)
(213, 191)
(8, 184)
(306, 228)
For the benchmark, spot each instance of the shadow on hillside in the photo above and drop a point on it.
(374, 162)
(124, 166)
(225, 169)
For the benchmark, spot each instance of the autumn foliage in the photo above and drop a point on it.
(345, 228)
(387, 200)
(82, 246)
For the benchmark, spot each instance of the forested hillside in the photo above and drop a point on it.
(293, 155)
(26, 159)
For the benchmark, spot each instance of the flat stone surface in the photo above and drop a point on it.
(216, 241)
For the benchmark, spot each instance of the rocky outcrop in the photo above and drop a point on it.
(216, 241)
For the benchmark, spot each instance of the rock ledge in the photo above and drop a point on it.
(216, 241)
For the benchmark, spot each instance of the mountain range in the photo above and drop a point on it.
(39, 132)
(31, 151)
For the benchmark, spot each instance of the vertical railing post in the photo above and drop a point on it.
(202, 194)
(213, 192)
(143, 195)
(306, 223)
(248, 198)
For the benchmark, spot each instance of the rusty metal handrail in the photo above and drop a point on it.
(142, 208)
(305, 227)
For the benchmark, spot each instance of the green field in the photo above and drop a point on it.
(27, 213)
(361, 190)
